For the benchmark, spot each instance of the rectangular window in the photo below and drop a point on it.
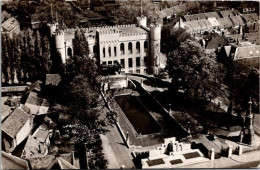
(122, 62)
(115, 51)
(145, 61)
(104, 63)
(115, 62)
(130, 62)
(138, 71)
(137, 61)
(104, 52)
(109, 62)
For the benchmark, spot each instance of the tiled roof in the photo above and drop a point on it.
(215, 42)
(5, 15)
(227, 13)
(10, 24)
(42, 162)
(247, 52)
(41, 134)
(213, 21)
(13, 124)
(5, 111)
(33, 148)
(225, 22)
(34, 99)
(9, 161)
(237, 20)
(35, 87)
(52, 79)
(254, 16)
(247, 18)
(211, 14)
(65, 165)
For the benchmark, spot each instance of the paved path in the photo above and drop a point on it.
(116, 152)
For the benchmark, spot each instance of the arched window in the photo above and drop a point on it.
(145, 46)
(115, 50)
(122, 48)
(109, 51)
(69, 52)
(95, 49)
(104, 52)
(138, 47)
(130, 48)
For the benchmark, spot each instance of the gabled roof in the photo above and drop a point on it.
(10, 24)
(254, 16)
(13, 124)
(33, 148)
(213, 21)
(215, 42)
(5, 15)
(34, 99)
(211, 14)
(35, 87)
(65, 165)
(9, 161)
(42, 162)
(247, 18)
(41, 134)
(225, 22)
(52, 79)
(237, 20)
(227, 13)
(247, 52)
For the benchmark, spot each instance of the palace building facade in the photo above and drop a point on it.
(135, 47)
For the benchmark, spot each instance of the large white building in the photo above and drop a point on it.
(135, 47)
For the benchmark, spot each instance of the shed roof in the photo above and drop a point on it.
(211, 14)
(13, 124)
(227, 13)
(213, 21)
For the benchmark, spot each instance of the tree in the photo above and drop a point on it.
(194, 71)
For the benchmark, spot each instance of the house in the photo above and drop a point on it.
(225, 22)
(16, 128)
(213, 42)
(37, 144)
(248, 10)
(9, 161)
(5, 16)
(34, 102)
(63, 161)
(237, 21)
(10, 27)
(52, 79)
(244, 52)
(227, 13)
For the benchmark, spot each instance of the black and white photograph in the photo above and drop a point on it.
(130, 84)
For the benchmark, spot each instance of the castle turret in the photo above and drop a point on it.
(141, 21)
(155, 47)
(59, 41)
(52, 27)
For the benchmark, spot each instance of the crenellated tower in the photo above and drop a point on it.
(52, 27)
(141, 21)
(59, 42)
(155, 48)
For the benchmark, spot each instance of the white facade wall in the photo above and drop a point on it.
(22, 134)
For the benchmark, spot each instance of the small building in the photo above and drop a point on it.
(173, 154)
(244, 52)
(237, 21)
(34, 102)
(16, 128)
(37, 144)
(9, 161)
(10, 27)
(52, 79)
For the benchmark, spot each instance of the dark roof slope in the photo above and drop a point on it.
(10, 24)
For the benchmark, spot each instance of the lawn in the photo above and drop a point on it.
(191, 155)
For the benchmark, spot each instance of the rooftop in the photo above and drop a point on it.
(42, 162)
(13, 124)
(34, 99)
(237, 20)
(10, 24)
(53, 79)
(247, 52)
(9, 161)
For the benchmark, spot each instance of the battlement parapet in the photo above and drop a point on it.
(58, 32)
(132, 34)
